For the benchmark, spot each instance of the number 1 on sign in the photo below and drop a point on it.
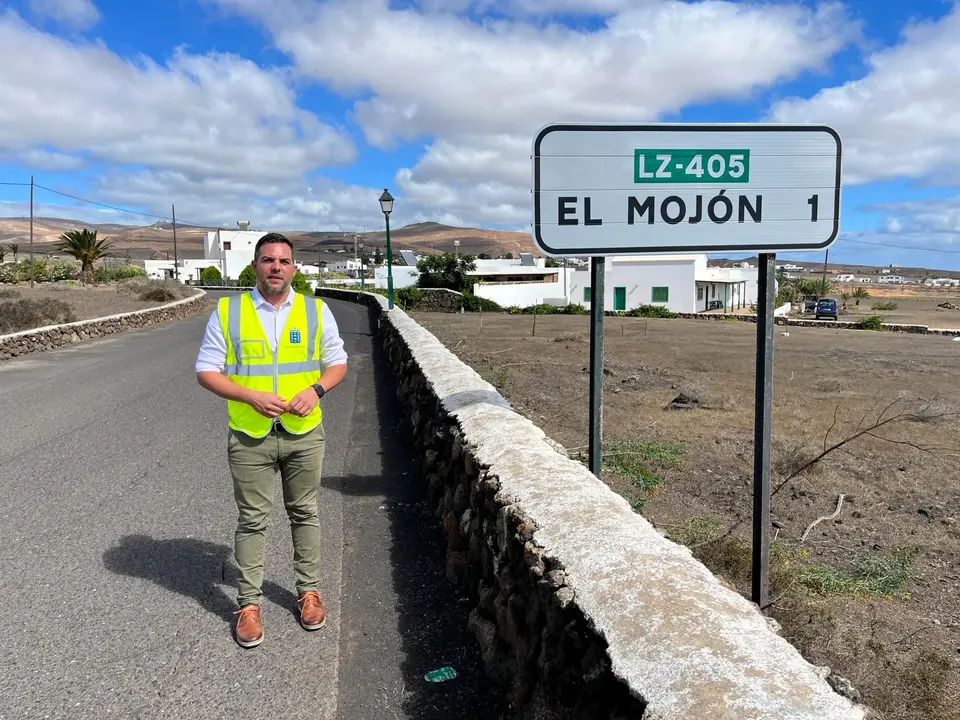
(813, 202)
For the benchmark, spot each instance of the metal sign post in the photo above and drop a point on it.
(595, 421)
(762, 429)
(601, 190)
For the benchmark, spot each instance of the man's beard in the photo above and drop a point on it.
(265, 289)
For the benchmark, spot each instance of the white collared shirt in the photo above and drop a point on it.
(213, 349)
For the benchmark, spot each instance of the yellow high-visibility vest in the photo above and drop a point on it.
(250, 362)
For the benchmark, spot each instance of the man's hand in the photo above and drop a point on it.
(303, 402)
(266, 403)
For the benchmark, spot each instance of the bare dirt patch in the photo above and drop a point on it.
(24, 308)
(873, 592)
(936, 308)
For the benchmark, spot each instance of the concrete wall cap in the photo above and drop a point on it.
(680, 640)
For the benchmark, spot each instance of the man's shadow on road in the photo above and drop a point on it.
(193, 568)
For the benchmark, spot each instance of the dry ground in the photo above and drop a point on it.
(915, 306)
(85, 302)
(873, 593)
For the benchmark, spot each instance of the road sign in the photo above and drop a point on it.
(616, 189)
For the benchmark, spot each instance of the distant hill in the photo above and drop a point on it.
(156, 240)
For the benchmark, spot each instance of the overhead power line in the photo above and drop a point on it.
(902, 247)
(121, 209)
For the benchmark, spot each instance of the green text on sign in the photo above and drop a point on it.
(691, 166)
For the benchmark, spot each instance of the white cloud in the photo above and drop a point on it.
(903, 118)
(79, 14)
(40, 159)
(292, 204)
(480, 91)
(934, 215)
(433, 74)
(534, 7)
(217, 119)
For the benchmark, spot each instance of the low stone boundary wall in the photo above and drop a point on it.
(440, 300)
(839, 324)
(582, 609)
(54, 336)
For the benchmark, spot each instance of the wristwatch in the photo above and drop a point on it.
(319, 389)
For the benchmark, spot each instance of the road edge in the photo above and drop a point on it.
(51, 337)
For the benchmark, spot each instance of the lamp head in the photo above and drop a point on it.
(386, 202)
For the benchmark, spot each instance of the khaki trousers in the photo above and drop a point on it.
(254, 463)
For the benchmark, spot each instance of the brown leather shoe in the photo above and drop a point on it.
(312, 613)
(249, 630)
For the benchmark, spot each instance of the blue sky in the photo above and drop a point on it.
(295, 114)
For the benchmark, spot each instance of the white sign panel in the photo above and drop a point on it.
(614, 189)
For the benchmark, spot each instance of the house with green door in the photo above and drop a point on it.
(680, 283)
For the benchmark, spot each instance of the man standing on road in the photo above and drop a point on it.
(272, 353)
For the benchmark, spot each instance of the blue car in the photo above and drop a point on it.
(826, 308)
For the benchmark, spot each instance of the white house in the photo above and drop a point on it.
(230, 251)
(681, 283)
(727, 289)
(227, 250)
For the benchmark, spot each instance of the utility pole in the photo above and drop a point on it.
(176, 264)
(824, 278)
(223, 258)
(31, 231)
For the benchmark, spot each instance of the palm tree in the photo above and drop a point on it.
(845, 297)
(819, 286)
(860, 294)
(84, 246)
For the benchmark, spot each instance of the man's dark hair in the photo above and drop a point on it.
(270, 239)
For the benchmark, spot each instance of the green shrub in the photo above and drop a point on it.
(574, 309)
(27, 314)
(409, 298)
(884, 306)
(472, 303)
(43, 271)
(651, 311)
(210, 273)
(248, 278)
(300, 284)
(104, 275)
(540, 309)
(874, 322)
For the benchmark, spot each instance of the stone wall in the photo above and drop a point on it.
(440, 300)
(49, 338)
(581, 608)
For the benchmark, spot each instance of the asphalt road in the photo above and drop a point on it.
(116, 569)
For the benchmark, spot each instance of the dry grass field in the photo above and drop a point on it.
(916, 305)
(873, 592)
(23, 307)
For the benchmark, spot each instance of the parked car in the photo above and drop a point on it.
(826, 308)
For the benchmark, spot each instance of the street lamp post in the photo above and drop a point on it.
(386, 205)
(362, 272)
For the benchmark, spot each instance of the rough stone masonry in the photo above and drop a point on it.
(580, 607)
